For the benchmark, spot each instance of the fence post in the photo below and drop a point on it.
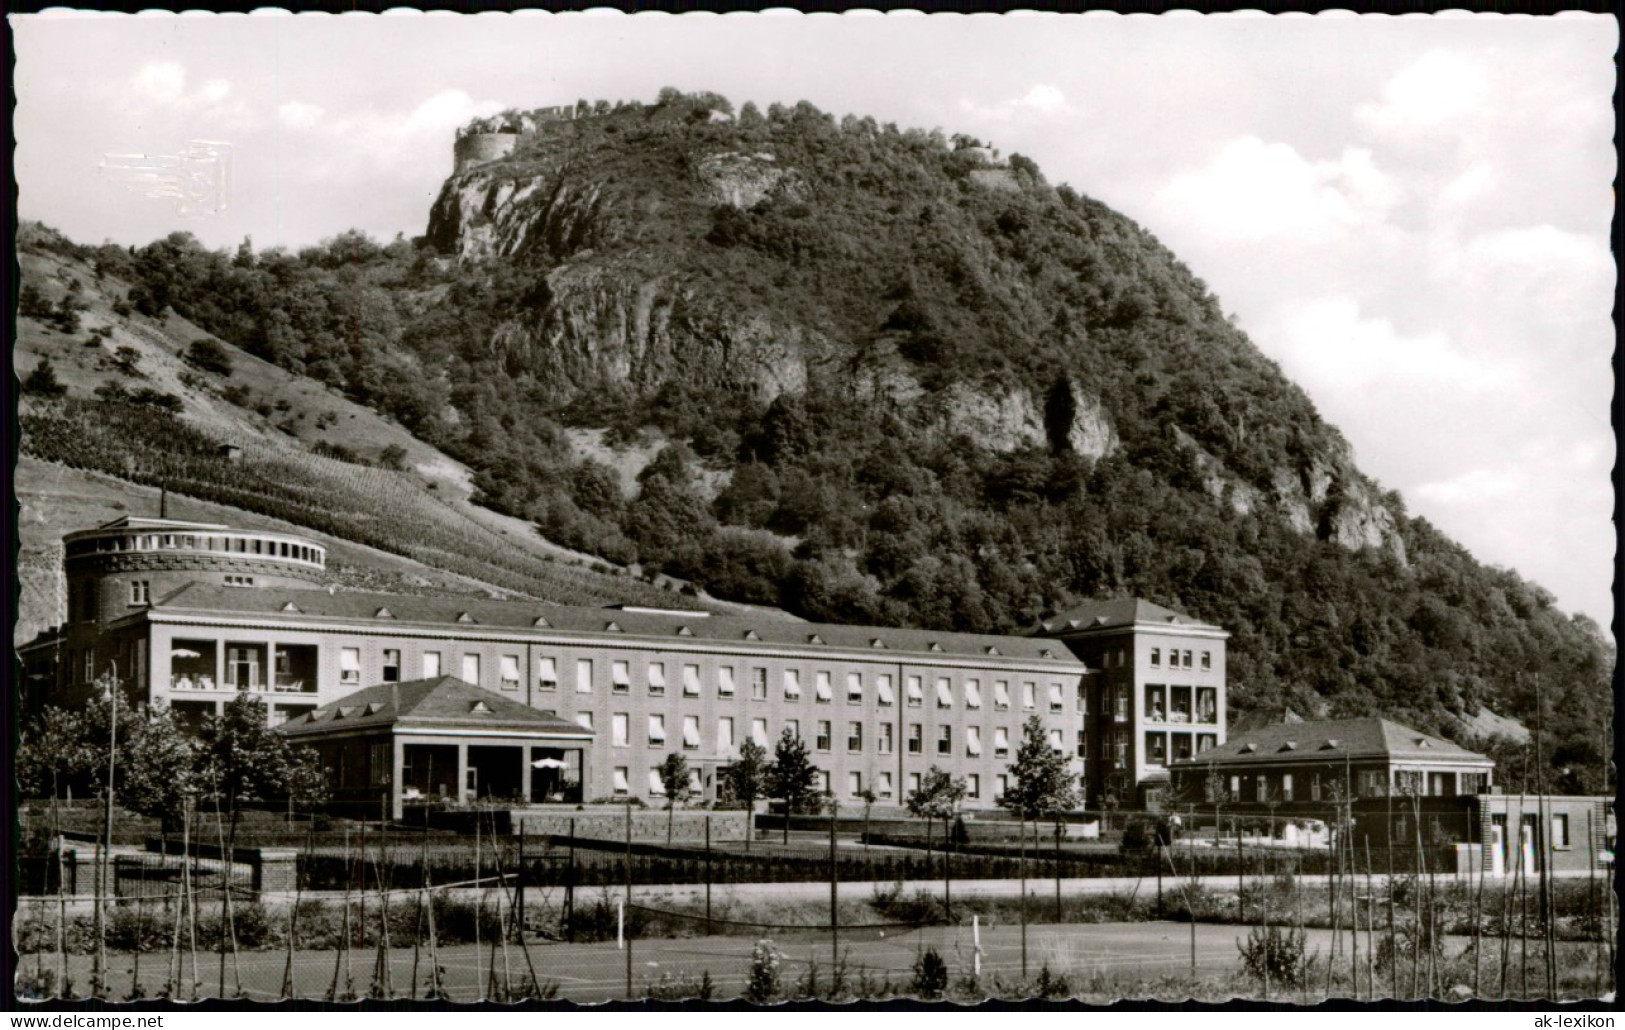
(570, 888)
(519, 887)
(708, 874)
(834, 918)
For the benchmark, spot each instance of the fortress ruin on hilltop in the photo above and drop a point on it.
(490, 139)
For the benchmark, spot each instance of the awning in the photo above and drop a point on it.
(1001, 694)
(945, 693)
(792, 683)
(883, 688)
(973, 694)
(825, 694)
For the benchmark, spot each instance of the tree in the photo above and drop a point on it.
(158, 762)
(56, 752)
(937, 797)
(43, 382)
(793, 778)
(673, 774)
(747, 780)
(1040, 782)
(240, 758)
(31, 303)
(868, 797)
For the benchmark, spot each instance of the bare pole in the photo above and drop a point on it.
(344, 925)
(1478, 904)
(228, 912)
(1370, 918)
(98, 985)
(189, 874)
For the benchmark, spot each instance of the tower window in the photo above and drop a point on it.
(140, 592)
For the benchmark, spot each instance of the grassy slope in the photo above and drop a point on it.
(57, 499)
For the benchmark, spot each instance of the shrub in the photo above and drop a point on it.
(762, 981)
(209, 356)
(930, 975)
(1275, 954)
(42, 382)
(679, 987)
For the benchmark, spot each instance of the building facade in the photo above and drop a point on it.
(876, 707)
(1154, 694)
(1306, 767)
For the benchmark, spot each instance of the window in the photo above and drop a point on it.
(583, 675)
(657, 731)
(883, 690)
(1286, 783)
(1373, 784)
(854, 736)
(1186, 663)
(392, 665)
(1560, 830)
(758, 684)
(691, 681)
(547, 673)
(823, 735)
(822, 690)
(140, 591)
(349, 665)
(1182, 746)
(913, 783)
(695, 786)
(1474, 783)
(792, 685)
(1001, 742)
(883, 785)
(657, 679)
(1156, 703)
(471, 669)
(1207, 705)
(854, 784)
(854, 688)
(584, 720)
(1057, 698)
(1001, 696)
(656, 787)
(691, 733)
(973, 742)
(90, 665)
(1156, 749)
(916, 692)
(1120, 749)
(725, 735)
(1057, 740)
(510, 672)
(823, 780)
(1235, 788)
(1156, 657)
(1001, 786)
(916, 739)
(794, 726)
(619, 723)
(725, 681)
(620, 677)
(1314, 787)
(1179, 706)
(1207, 659)
(973, 694)
(945, 740)
(1083, 744)
(621, 787)
(1028, 702)
(431, 665)
(1120, 703)
(239, 581)
(758, 731)
(973, 785)
(945, 692)
(883, 738)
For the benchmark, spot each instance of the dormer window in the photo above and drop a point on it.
(464, 617)
(613, 627)
(290, 607)
(815, 639)
(541, 623)
(383, 613)
(479, 708)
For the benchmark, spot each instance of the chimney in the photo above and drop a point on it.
(163, 501)
(395, 698)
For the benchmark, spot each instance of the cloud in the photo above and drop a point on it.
(1043, 101)
(374, 142)
(162, 82)
(296, 114)
(1473, 487)
(1327, 344)
(1252, 190)
(1441, 87)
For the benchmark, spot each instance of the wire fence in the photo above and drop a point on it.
(503, 918)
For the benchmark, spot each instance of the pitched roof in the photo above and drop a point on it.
(466, 614)
(1116, 614)
(1331, 740)
(444, 702)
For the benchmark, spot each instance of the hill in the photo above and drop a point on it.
(870, 374)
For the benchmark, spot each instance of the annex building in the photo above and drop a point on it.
(191, 613)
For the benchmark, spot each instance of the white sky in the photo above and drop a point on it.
(1409, 214)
